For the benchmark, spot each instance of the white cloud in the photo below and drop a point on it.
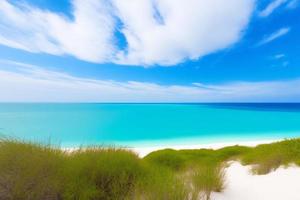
(161, 32)
(28, 83)
(271, 7)
(277, 34)
(189, 29)
(88, 37)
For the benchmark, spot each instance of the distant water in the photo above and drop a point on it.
(126, 124)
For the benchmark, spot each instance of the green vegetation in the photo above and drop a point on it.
(267, 157)
(32, 171)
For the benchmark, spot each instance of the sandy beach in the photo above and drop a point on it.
(240, 183)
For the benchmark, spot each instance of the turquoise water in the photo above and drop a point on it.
(80, 124)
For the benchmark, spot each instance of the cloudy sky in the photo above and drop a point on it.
(150, 51)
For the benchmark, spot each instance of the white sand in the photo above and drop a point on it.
(282, 184)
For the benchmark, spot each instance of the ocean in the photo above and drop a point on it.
(80, 124)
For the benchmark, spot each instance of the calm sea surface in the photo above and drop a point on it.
(125, 124)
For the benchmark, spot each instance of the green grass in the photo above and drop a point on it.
(268, 157)
(201, 169)
(30, 171)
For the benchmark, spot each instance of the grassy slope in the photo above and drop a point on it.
(33, 171)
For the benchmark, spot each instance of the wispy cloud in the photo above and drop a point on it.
(279, 56)
(285, 63)
(275, 4)
(277, 34)
(280, 60)
(22, 82)
(271, 7)
(293, 4)
(200, 28)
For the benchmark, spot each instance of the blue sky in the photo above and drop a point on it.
(150, 50)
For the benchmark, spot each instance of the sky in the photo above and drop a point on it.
(150, 51)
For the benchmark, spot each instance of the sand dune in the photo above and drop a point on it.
(282, 184)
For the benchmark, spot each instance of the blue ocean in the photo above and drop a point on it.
(72, 124)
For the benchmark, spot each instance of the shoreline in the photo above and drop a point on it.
(143, 151)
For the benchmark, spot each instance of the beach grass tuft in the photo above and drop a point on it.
(268, 157)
